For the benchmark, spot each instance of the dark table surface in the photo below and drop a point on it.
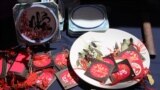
(121, 15)
(155, 62)
(8, 39)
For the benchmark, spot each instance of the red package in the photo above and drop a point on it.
(138, 69)
(61, 59)
(124, 72)
(99, 70)
(131, 54)
(42, 60)
(19, 69)
(22, 56)
(110, 60)
(67, 78)
(46, 77)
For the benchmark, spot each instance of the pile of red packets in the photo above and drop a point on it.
(24, 68)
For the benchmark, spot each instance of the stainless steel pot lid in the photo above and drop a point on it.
(37, 24)
(87, 17)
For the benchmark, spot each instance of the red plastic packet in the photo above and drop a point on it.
(110, 60)
(46, 77)
(22, 56)
(67, 78)
(61, 59)
(99, 70)
(124, 72)
(139, 70)
(41, 61)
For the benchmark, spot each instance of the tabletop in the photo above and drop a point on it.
(7, 38)
(67, 41)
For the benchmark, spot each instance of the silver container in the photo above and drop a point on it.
(36, 23)
(84, 18)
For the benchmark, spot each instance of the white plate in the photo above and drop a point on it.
(106, 40)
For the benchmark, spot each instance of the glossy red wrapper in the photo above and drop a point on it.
(42, 61)
(67, 78)
(61, 59)
(139, 69)
(20, 65)
(22, 56)
(19, 69)
(41, 79)
(136, 61)
(131, 54)
(46, 77)
(124, 73)
(99, 70)
(110, 60)
(30, 81)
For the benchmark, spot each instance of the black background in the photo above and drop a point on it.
(121, 13)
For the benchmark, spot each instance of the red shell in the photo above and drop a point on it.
(99, 70)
